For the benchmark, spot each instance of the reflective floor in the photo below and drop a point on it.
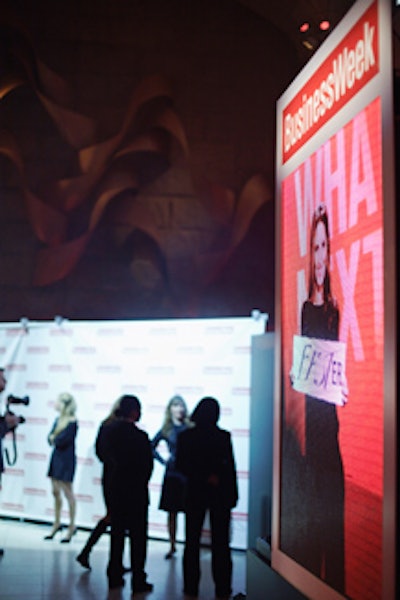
(33, 569)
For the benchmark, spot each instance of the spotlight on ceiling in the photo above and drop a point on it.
(304, 27)
(324, 25)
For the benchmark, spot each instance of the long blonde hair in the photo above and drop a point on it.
(67, 413)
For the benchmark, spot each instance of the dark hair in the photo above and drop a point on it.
(320, 216)
(206, 412)
(127, 405)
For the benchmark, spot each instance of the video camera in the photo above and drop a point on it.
(15, 400)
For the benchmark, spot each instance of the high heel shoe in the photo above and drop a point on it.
(51, 535)
(68, 537)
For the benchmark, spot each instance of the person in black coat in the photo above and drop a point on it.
(63, 462)
(8, 422)
(128, 458)
(205, 456)
(104, 522)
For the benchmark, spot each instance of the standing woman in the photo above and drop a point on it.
(62, 463)
(323, 549)
(172, 493)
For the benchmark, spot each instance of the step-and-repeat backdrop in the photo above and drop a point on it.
(97, 362)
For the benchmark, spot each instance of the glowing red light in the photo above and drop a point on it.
(324, 25)
(305, 27)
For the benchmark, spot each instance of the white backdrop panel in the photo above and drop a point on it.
(97, 361)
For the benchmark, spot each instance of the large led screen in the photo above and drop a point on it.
(332, 361)
(329, 516)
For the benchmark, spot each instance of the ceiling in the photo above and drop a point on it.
(288, 15)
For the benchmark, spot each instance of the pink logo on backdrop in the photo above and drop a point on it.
(108, 369)
(219, 330)
(17, 332)
(13, 507)
(37, 350)
(61, 332)
(155, 487)
(241, 391)
(87, 462)
(15, 472)
(37, 385)
(135, 350)
(240, 433)
(189, 389)
(16, 368)
(37, 456)
(110, 332)
(162, 331)
(190, 350)
(84, 350)
(239, 516)
(83, 387)
(86, 498)
(134, 389)
(59, 368)
(35, 492)
(211, 370)
(241, 350)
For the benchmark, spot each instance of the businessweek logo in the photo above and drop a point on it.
(348, 68)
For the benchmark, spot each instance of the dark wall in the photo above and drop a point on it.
(190, 252)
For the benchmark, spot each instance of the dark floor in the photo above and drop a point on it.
(35, 569)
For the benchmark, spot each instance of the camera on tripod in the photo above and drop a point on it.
(15, 400)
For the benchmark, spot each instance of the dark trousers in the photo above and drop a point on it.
(135, 524)
(221, 561)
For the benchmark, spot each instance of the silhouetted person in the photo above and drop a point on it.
(205, 456)
(127, 453)
(63, 462)
(102, 524)
(7, 423)
(173, 486)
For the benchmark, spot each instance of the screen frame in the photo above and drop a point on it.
(380, 85)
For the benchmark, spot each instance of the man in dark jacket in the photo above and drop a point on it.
(128, 455)
(205, 456)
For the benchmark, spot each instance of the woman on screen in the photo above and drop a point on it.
(324, 544)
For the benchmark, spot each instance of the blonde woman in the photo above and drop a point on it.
(172, 493)
(62, 463)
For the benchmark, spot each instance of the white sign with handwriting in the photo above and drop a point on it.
(319, 368)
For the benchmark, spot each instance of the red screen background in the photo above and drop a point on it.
(346, 174)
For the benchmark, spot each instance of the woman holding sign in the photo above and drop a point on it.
(324, 547)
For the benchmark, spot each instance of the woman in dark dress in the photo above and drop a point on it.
(323, 550)
(172, 492)
(63, 462)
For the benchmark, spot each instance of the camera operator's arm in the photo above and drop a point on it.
(7, 423)
(3, 427)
